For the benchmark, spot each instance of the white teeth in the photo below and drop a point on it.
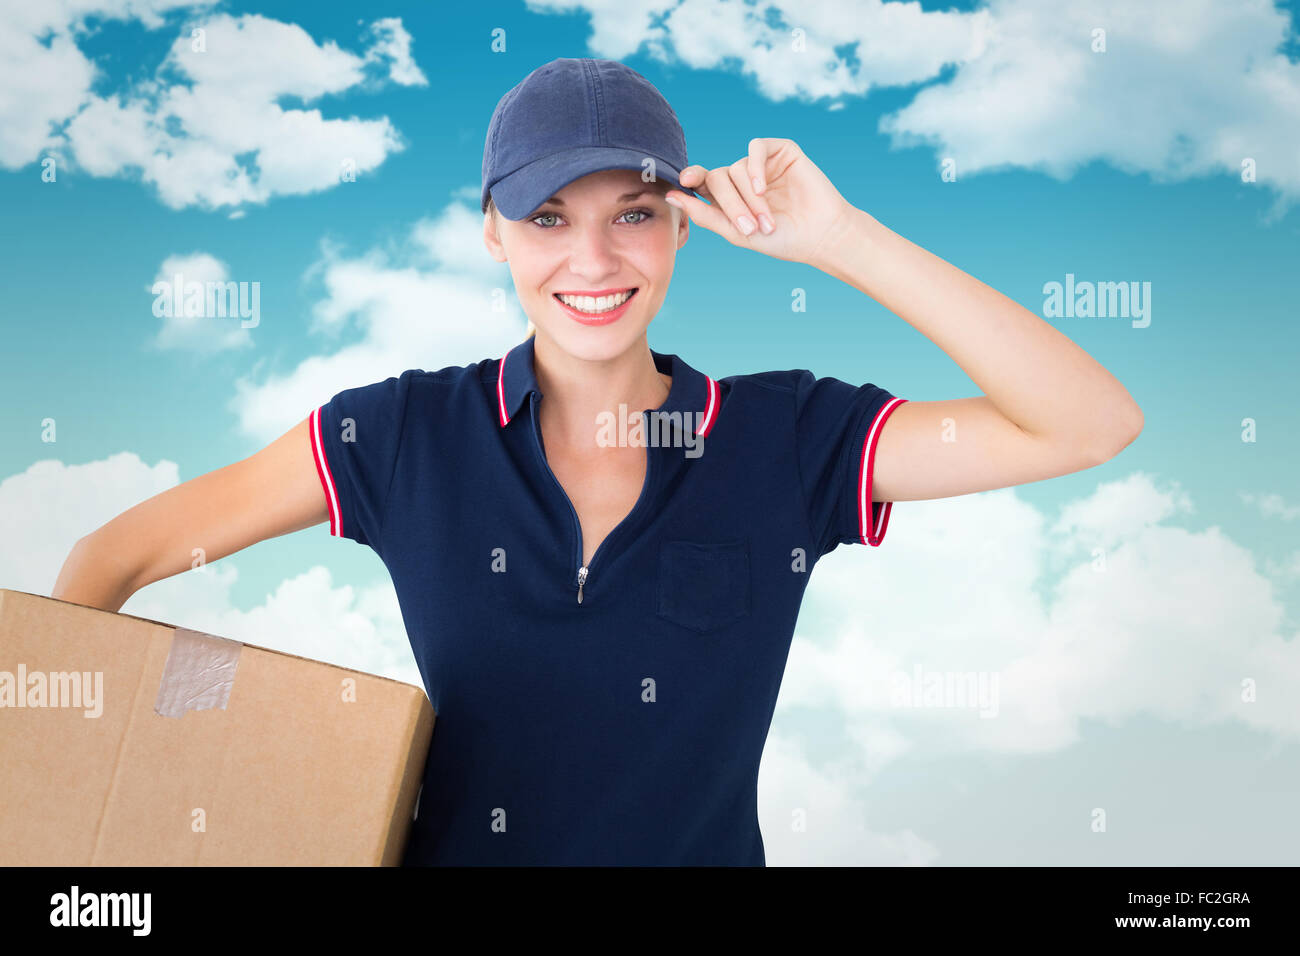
(585, 303)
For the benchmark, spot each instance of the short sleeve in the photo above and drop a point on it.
(837, 426)
(355, 439)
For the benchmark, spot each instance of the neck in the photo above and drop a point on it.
(577, 391)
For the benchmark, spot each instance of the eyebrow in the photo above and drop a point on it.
(626, 197)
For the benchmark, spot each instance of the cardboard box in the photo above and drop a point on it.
(173, 747)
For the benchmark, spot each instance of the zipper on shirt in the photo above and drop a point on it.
(585, 570)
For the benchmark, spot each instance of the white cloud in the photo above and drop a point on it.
(1118, 509)
(428, 302)
(40, 86)
(210, 331)
(897, 43)
(1186, 88)
(814, 817)
(1166, 623)
(1272, 505)
(393, 47)
(1170, 629)
(1288, 567)
(47, 507)
(44, 77)
(307, 615)
(471, 193)
(209, 129)
(222, 138)
(454, 243)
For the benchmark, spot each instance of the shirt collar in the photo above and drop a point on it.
(693, 393)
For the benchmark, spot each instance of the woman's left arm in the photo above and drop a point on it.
(1048, 407)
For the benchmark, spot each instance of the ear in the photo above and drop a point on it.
(492, 239)
(683, 225)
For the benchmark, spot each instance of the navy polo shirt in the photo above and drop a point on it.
(626, 727)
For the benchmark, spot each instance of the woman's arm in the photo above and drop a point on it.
(270, 493)
(1048, 407)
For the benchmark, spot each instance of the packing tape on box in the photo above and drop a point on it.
(199, 673)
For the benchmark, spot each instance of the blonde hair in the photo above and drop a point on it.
(492, 211)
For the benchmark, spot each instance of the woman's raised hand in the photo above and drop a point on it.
(774, 201)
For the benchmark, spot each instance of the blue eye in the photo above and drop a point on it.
(645, 214)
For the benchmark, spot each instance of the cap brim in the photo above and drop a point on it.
(529, 186)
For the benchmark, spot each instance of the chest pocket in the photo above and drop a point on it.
(703, 586)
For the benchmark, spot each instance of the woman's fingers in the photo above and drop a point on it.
(728, 198)
(710, 217)
(757, 169)
(742, 179)
(737, 209)
(693, 176)
(756, 164)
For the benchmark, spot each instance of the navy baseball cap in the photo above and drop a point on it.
(571, 117)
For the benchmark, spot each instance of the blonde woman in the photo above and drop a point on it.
(599, 550)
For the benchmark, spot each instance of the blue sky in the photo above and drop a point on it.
(1115, 165)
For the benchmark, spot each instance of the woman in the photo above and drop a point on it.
(601, 587)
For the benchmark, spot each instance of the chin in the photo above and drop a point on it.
(594, 343)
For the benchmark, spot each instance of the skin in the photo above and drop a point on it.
(1048, 407)
(590, 240)
(276, 491)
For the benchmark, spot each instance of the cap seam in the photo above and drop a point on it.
(598, 99)
(566, 149)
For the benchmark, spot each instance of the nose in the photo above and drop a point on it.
(592, 255)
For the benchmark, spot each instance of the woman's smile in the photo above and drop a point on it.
(595, 308)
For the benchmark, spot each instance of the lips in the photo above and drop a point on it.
(596, 318)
